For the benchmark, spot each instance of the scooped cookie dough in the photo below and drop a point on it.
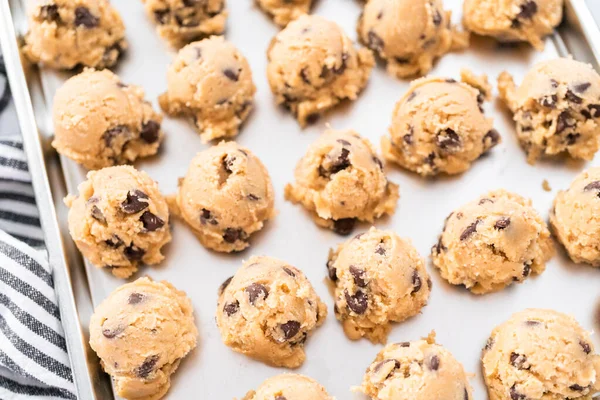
(341, 180)
(513, 20)
(284, 11)
(540, 355)
(492, 242)
(290, 387)
(119, 219)
(409, 34)
(575, 218)
(64, 34)
(225, 197)
(379, 278)
(210, 81)
(438, 126)
(140, 332)
(418, 370)
(267, 310)
(313, 66)
(182, 21)
(556, 108)
(100, 121)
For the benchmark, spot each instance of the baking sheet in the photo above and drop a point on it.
(461, 320)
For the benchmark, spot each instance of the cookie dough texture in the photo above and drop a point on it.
(418, 370)
(289, 387)
(575, 218)
(492, 242)
(100, 121)
(379, 278)
(225, 197)
(340, 180)
(540, 355)
(513, 20)
(556, 108)
(438, 126)
(64, 34)
(119, 219)
(140, 332)
(313, 65)
(182, 21)
(267, 310)
(409, 34)
(210, 81)
(284, 11)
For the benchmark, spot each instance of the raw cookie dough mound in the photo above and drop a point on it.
(575, 218)
(556, 108)
(379, 278)
(491, 242)
(100, 122)
(513, 20)
(418, 370)
(409, 34)
(225, 197)
(210, 81)
(64, 34)
(439, 126)
(181, 21)
(540, 355)
(284, 11)
(313, 65)
(140, 332)
(289, 387)
(119, 219)
(267, 310)
(341, 180)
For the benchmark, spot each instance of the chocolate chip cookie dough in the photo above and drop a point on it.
(556, 108)
(119, 219)
(140, 332)
(438, 126)
(64, 34)
(418, 370)
(290, 387)
(100, 121)
(225, 197)
(340, 180)
(492, 242)
(379, 278)
(210, 81)
(284, 11)
(182, 21)
(575, 218)
(513, 20)
(267, 310)
(313, 66)
(540, 355)
(409, 34)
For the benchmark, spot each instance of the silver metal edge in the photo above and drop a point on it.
(582, 15)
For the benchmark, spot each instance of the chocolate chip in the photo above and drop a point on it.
(485, 200)
(185, 19)
(489, 344)
(224, 285)
(256, 291)
(430, 159)
(553, 83)
(357, 302)
(114, 242)
(231, 308)
(433, 363)
(416, 281)
(572, 138)
(97, 214)
(344, 143)
(289, 272)
(448, 139)
(572, 97)
(207, 217)
(112, 133)
(151, 221)
(83, 17)
(518, 360)
(150, 131)
(162, 16)
(340, 70)
(49, 12)
(594, 110)
(231, 74)
(253, 197)
(198, 51)
(135, 298)
(439, 246)
(380, 14)
(377, 161)
(564, 121)
(147, 366)
(528, 10)
(411, 96)
(134, 202)
(514, 395)
(592, 186)
(280, 398)
(290, 329)
(374, 42)
(404, 344)
(112, 333)
(549, 101)
(587, 349)
(380, 250)
(437, 18)
(577, 388)
(526, 269)
(452, 80)
(531, 322)
(232, 235)
(466, 394)
(134, 253)
(586, 114)
(312, 118)
(331, 271)
(582, 87)
(502, 223)
(344, 226)
(470, 230)
(304, 75)
(191, 3)
(358, 275)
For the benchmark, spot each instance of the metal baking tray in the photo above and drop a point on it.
(462, 321)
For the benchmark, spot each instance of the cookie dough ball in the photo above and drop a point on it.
(290, 387)
(313, 65)
(341, 180)
(140, 332)
(64, 34)
(182, 21)
(267, 310)
(513, 20)
(100, 121)
(119, 219)
(439, 126)
(540, 355)
(225, 197)
(409, 34)
(210, 81)
(556, 108)
(379, 278)
(418, 370)
(491, 242)
(284, 11)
